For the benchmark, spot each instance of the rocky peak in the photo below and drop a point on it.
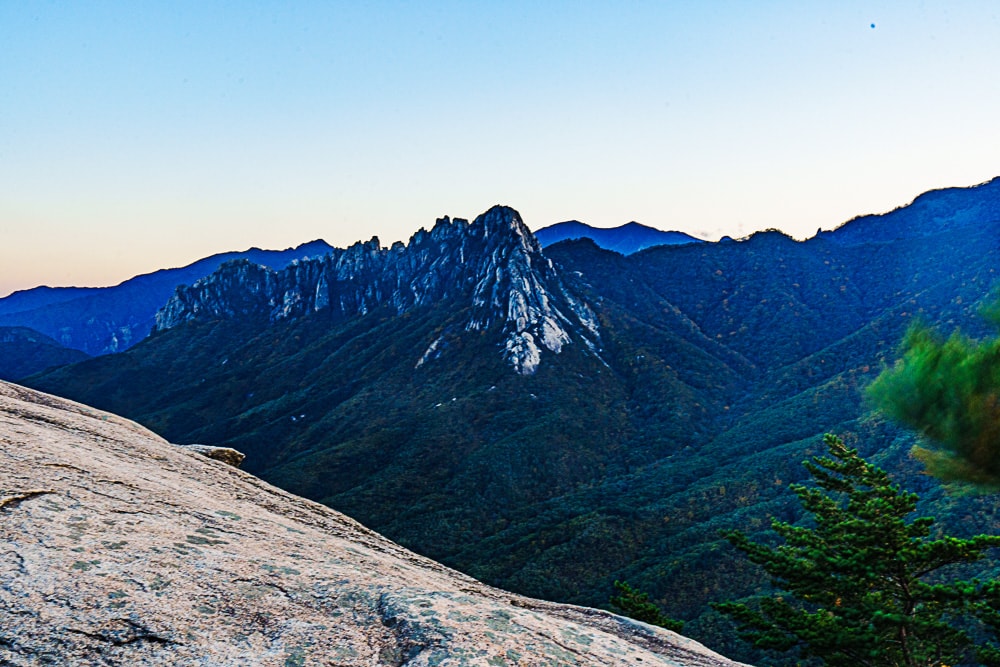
(521, 296)
(494, 265)
(233, 290)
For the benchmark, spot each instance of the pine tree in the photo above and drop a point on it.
(988, 611)
(948, 390)
(635, 604)
(861, 586)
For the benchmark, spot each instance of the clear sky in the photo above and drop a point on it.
(143, 135)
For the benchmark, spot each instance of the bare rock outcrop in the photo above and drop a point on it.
(493, 265)
(227, 455)
(117, 548)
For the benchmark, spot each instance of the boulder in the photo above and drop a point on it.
(225, 454)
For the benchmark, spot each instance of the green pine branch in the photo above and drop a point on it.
(856, 587)
(636, 604)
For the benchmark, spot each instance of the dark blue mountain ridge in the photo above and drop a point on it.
(37, 297)
(928, 214)
(99, 320)
(415, 389)
(625, 239)
(25, 351)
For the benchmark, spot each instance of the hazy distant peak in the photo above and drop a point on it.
(126, 310)
(625, 239)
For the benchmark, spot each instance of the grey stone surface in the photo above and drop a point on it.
(494, 264)
(117, 548)
(227, 455)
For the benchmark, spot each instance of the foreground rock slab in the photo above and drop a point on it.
(117, 548)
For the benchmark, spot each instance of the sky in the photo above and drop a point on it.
(143, 135)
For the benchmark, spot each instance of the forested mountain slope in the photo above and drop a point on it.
(123, 549)
(25, 352)
(687, 385)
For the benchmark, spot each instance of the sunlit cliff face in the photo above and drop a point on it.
(494, 264)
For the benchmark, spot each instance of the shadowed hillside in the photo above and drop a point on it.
(688, 386)
(121, 548)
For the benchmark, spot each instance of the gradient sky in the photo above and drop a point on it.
(144, 135)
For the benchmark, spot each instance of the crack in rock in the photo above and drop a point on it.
(123, 631)
(410, 639)
(10, 501)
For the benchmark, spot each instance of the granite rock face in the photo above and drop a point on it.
(118, 548)
(227, 455)
(493, 267)
(103, 320)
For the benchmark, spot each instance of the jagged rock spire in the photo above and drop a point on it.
(494, 262)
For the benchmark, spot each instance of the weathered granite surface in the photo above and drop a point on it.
(117, 548)
(227, 455)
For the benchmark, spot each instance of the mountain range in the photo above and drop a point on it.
(100, 320)
(625, 239)
(552, 419)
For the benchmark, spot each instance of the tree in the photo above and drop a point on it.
(948, 390)
(862, 584)
(635, 604)
(988, 611)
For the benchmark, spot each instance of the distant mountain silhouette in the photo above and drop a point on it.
(24, 352)
(99, 320)
(934, 212)
(626, 239)
(39, 297)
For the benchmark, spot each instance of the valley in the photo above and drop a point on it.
(549, 420)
